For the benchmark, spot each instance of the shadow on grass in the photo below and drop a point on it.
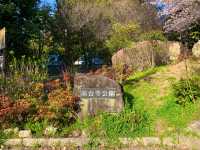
(129, 100)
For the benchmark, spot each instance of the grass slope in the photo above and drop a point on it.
(152, 92)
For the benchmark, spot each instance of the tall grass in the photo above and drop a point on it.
(3, 138)
(33, 69)
(21, 73)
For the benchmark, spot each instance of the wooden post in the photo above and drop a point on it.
(2, 48)
(2, 56)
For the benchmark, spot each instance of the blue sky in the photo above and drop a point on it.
(50, 2)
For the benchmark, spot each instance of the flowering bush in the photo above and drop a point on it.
(5, 102)
(62, 98)
(11, 112)
(60, 108)
(29, 98)
(36, 90)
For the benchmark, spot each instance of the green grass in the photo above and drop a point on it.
(37, 128)
(176, 115)
(129, 123)
(3, 137)
(141, 75)
(160, 107)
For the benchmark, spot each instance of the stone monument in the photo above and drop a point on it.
(98, 94)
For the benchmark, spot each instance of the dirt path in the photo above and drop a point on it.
(163, 79)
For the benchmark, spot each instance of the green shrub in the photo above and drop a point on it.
(110, 127)
(22, 73)
(122, 36)
(187, 90)
(153, 35)
(3, 138)
(37, 128)
(129, 123)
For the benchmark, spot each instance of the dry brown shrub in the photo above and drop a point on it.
(62, 98)
(10, 110)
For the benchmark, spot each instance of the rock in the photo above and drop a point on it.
(29, 142)
(189, 142)
(150, 141)
(13, 142)
(120, 57)
(98, 94)
(196, 49)
(195, 127)
(147, 54)
(25, 134)
(50, 131)
(60, 142)
(76, 133)
(12, 131)
(84, 134)
(132, 142)
(175, 49)
(43, 143)
(139, 57)
(168, 142)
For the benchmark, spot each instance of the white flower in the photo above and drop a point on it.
(50, 131)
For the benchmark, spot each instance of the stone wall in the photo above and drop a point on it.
(44, 144)
(178, 143)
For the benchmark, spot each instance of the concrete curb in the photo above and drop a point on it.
(80, 142)
(51, 142)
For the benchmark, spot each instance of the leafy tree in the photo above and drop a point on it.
(82, 27)
(28, 27)
(153, 35)
(123, 36)
(41, 37)
(17, 17)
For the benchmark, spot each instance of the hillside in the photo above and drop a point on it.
(152, 90)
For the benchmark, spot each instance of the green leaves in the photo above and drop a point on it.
(123, 35)
(187, 90)
(153, 35)
(3, 137)
(37, 128)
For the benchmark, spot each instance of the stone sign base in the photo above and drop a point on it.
(93, 107)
